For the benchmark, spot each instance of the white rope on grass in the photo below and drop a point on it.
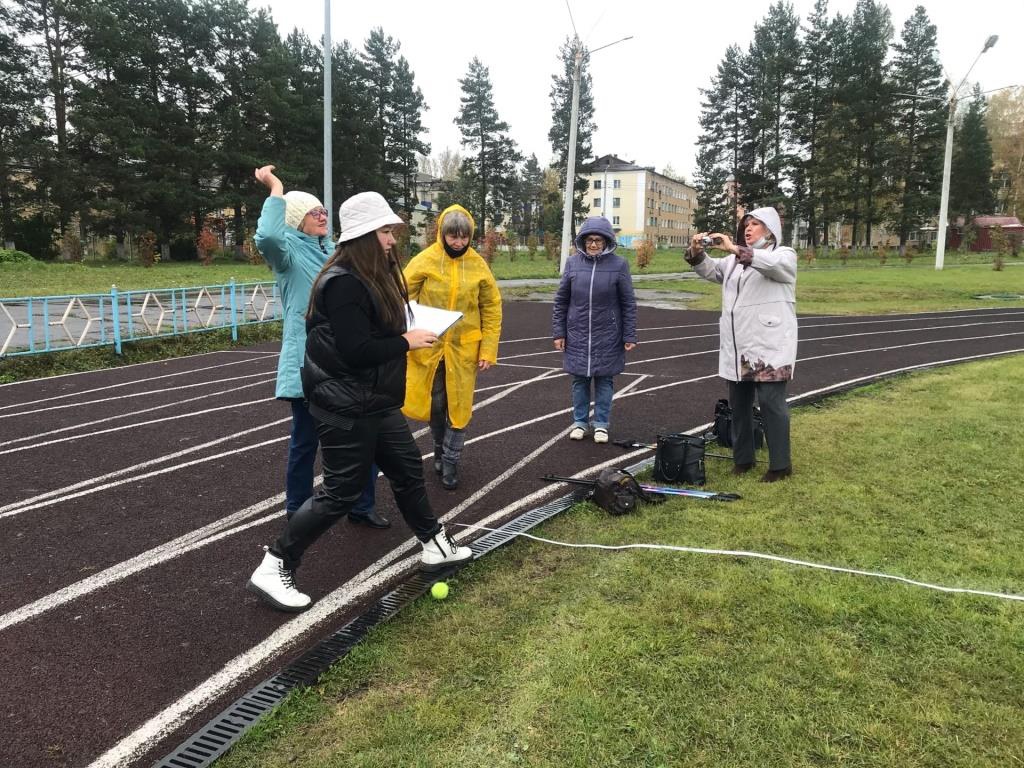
(761, 556)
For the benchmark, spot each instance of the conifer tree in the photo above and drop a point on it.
(493, 154)
(920, 113)
(23, 129)
(970, 183)
(405, 144)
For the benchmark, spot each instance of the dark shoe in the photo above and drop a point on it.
(742, 469)
(449, 475)
(438, 453)
(371, 519)
(773, 475)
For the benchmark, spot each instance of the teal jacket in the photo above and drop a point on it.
(296, 260)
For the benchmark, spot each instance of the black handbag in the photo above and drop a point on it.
(679, 458)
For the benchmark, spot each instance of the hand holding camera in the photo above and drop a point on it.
(706, 241)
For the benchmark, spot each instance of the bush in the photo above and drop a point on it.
(644, 252)
(9, 256)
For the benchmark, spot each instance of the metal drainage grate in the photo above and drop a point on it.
(217, 736)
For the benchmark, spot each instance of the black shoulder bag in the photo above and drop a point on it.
(679, 458)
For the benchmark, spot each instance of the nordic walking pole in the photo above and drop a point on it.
(665, 490)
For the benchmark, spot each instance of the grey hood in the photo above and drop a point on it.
(770, 218)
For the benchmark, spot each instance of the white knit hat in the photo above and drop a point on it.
(364, 213)
(297, 205)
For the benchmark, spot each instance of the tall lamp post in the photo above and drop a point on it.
(570, 170)
(940, 246)
(328, 180)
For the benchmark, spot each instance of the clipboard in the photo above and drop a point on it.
(431, 318)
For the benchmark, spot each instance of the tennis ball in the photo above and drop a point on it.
(439, 591)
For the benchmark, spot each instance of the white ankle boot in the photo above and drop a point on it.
(276, 584)
(441, 552)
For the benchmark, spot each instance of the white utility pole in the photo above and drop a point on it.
(328, 133)
(570, 171)
(940, 245)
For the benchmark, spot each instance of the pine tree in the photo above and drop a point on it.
(561, 114)
(970, 183)
(870, 107)
(721, 143)
(55, 27)
(810, 104)
(919, 122)
(378, 75)
(772, 64)
(405, 130)
(23, 130)
(494, 154)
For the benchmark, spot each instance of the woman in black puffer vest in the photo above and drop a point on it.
(354, 381)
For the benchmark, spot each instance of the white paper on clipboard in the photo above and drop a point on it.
(431, 318)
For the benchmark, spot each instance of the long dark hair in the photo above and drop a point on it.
(380, 273)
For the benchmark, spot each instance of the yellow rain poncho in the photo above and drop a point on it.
(464, 284)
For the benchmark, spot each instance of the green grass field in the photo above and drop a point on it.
(547, 656)
(38, 278)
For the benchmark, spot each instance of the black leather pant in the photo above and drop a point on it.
(348, 447)
(771, 398)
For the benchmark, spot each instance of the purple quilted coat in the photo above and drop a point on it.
(595, 309)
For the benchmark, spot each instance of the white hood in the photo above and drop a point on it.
(770, 218)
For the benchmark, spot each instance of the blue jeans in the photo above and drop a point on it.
(603, 391)
(301, 458)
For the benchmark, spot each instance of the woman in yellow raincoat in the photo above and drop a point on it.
(440, 380)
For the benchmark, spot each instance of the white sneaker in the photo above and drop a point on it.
(276, 584)
(577, 433)
(600, 435)
(441, 552)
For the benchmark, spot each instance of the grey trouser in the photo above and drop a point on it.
(445, 435)
(771, 397)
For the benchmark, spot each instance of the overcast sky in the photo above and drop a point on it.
(646, 90)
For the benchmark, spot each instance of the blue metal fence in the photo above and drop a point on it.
(37, 324)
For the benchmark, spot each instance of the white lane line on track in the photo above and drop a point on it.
(144, 476)
(189, 372)
(803, 339)
(371, 578)
(96, 481)
(164, 722)
(140, 424)
(168, 551)
(146, 393)
(139, 412)
(887, 348)
(101, 370)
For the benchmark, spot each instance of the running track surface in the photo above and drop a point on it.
(134, 504)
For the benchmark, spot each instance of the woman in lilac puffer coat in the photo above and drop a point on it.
(594, 324)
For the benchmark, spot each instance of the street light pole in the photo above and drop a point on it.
(940, 245)
(328, 161)
(570, 170)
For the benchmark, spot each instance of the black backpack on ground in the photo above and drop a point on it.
(722, 429)
(618, 492)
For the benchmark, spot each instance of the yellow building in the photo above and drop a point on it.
(640, 202)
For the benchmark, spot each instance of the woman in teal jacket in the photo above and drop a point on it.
(291, 236)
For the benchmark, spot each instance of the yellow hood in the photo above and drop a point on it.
(440, 223)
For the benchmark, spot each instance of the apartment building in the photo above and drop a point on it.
(640, 202)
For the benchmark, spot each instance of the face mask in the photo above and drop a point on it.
(761, 242)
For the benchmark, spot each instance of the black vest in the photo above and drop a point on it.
(331, 386)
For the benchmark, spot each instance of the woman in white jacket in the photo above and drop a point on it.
(758, 331)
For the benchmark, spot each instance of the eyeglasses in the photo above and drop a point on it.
(594, 240)
(318, 213)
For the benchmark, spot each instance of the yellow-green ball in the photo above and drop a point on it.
(439, 591)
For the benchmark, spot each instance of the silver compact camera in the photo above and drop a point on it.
(707, 242)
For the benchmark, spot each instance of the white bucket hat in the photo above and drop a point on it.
(365, 213)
